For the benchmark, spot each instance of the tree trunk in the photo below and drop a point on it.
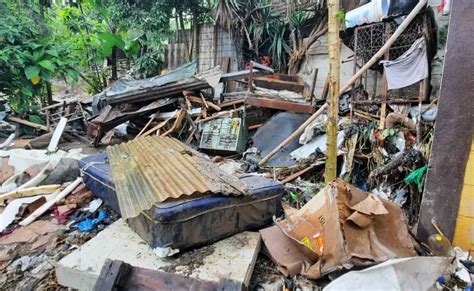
(195, 51)
(187, 55)
(49, 93)
(334, 67)
(114, 64)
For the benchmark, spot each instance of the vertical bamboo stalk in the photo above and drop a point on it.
(334, 73)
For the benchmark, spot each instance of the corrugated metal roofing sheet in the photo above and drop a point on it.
(152, 169)
(123, 87)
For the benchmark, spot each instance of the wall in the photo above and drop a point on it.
(464, 231)
(210, 51)
(317, 57)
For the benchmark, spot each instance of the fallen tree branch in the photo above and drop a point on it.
(298, 57)
(407, 157)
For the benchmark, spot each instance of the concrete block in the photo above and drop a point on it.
(233, 258)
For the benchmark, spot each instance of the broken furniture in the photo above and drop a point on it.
(367, 40)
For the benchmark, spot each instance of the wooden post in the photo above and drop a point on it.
(383, 108)
(334, 74)
(313, 86)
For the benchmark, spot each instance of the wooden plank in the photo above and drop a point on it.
(454, 128)
(279, 104)
(233, 102)
(313, 85)
(276, 84)
(297, 174)
(27, 123)
(108, 275)
(28, 192)
(146, 279)
(244, 74)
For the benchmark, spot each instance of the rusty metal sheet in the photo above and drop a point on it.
(123, 87)
(152, 169)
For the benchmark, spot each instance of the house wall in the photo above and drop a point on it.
(464, 231)
(212, 47)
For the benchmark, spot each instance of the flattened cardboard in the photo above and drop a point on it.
(287, 256)
(341, 226)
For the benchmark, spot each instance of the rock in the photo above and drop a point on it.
(66, 171)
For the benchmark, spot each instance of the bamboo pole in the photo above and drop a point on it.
(334, 75)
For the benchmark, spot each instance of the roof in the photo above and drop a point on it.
(152, 169)
(122, 87)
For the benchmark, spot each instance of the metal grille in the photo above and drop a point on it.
(367, 41)
(370, 38)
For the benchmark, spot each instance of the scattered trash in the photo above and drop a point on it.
(364, 229)
(9, 213)
(94, 205)
(418, 273)
(416, 177)
(176, 177)
(89, 224)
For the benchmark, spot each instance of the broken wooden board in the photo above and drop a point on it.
(117, 275)
(279, 104)
(28, 123)
(232, 258)
(280, 82)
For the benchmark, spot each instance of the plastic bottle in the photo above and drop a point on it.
(440, 245)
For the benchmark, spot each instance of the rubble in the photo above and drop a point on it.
(189, 178)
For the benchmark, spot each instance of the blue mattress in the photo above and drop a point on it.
(190, 222)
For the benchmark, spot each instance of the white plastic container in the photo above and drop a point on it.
(371, 12)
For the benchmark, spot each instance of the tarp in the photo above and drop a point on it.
(418, 273)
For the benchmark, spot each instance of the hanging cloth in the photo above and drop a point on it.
(409, 68)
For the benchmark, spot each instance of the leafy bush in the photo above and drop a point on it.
(27, 59)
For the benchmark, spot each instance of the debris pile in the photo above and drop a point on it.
(184, 177)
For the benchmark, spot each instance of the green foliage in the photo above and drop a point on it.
(341, 16)
(97, 27)
(39, 43)
(35, 119)
(442, 35)
(149, 65)
(27, 59)
(298, 18)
